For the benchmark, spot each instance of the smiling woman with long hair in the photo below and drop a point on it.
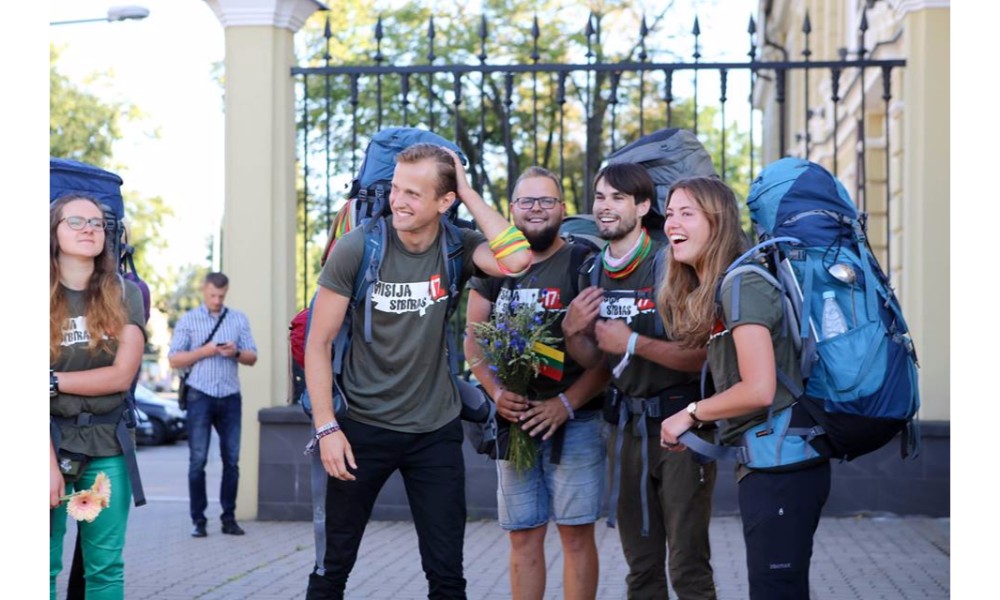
(746, 348)
(96, 339)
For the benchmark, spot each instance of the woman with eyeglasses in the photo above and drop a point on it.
(96, 338)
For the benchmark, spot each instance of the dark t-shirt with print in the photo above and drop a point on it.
(91, 440)
(760, 304)
(550, 285)
(401, 380)
(642, 378)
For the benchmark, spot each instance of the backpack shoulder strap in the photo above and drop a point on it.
(659, 273)
(578, 255)
(368, 269)
(453, 251)
(595, 267)
(735, 274)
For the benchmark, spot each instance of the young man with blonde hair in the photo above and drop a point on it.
(404, 404)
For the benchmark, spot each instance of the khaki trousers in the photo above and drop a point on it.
(679, 495)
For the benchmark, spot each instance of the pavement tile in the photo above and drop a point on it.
(853, 559)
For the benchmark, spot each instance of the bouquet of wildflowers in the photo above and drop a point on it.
(514, 342)
(85, 505)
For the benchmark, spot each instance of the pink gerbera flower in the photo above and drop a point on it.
(102, 488)
(84, 506)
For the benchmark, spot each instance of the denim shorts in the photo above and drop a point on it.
(569, 492)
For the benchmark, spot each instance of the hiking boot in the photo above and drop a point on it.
(199, 530)
(231, 528)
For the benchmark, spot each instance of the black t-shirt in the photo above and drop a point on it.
(550, 285)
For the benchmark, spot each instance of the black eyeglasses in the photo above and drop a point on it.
(527, 202)
(78, 223)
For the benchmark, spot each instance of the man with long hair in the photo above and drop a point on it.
(664, 499)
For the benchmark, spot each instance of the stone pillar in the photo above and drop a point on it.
(925, 284)
(258, 227)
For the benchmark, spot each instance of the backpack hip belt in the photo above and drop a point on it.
(125, 421)
(659, 406)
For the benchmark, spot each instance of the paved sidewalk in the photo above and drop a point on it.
(856, 558)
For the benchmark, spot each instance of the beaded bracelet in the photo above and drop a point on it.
(569, 407)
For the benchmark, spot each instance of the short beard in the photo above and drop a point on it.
(541, 241)
(623, 229)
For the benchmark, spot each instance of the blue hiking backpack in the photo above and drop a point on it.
(859, 388)
(368, 206)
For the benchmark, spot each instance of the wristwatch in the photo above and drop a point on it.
(53, 384)
(692, 410)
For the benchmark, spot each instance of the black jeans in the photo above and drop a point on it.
(225, 414)
(780, 513)
(433, 471)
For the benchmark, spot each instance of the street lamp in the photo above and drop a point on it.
(115, 13)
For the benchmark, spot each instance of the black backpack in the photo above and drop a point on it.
(667, 155)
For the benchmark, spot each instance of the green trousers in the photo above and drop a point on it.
(103, 540)
(679, 500)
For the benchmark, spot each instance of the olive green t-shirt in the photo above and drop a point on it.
(760, 303)
(550, 286)
(642, 378)
(91, 440)
(401, 380)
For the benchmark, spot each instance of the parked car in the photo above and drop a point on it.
(143, 428)
(167, 418)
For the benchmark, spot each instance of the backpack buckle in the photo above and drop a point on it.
(84, 419)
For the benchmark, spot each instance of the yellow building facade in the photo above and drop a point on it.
(905, 141)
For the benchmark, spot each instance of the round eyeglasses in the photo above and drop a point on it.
(528, 202)
(78, 223)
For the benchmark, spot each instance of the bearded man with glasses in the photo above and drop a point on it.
(561, 410)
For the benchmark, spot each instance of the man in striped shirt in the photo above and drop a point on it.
(213, 340)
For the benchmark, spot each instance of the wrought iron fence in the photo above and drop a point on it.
(568, 115)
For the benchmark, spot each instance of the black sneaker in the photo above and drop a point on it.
(199, 530)
(231, 528)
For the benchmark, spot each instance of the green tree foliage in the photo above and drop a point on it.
(545, 119)
(186, 293)
(84, 127)
(144, 218)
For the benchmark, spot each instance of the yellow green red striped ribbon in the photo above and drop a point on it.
(551, 361)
